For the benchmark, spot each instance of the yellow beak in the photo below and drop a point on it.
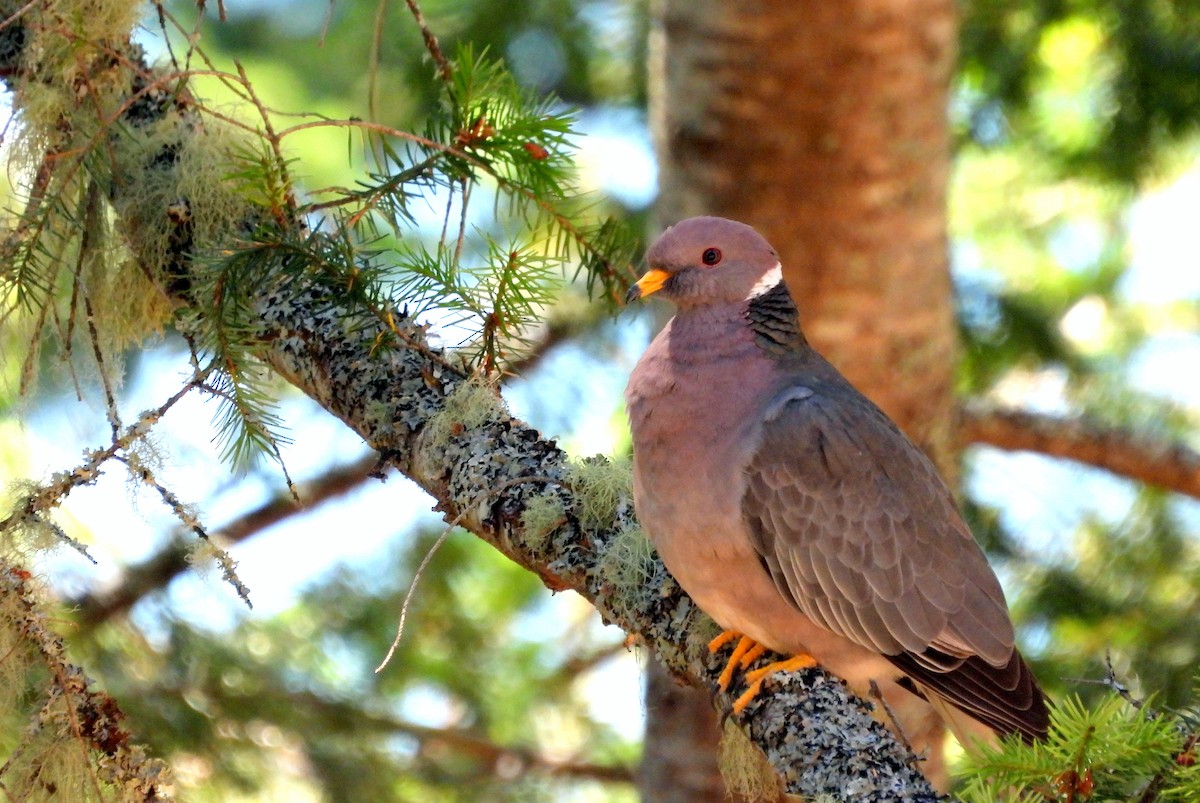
(650, 283)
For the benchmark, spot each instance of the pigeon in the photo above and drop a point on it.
(794, 511)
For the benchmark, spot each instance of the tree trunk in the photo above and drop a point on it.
(824, 126)
(679, 763)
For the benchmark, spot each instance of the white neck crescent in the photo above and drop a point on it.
(771, 278)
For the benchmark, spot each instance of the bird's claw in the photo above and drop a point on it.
(746, 652)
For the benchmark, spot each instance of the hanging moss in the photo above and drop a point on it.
(629, 563)
(83, 158)
(184, 204)
(744, 768)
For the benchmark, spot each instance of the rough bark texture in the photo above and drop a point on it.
(411, 403)
(484, 475)
(824, 126)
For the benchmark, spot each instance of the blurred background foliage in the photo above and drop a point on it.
(1075, 248)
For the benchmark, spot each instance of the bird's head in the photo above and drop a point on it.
(708, 260)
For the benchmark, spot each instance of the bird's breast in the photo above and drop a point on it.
(693, 415)
(696, 414)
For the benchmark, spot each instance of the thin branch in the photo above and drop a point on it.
(46, 497)
(1153, 460)
(481, 749)
(445, 71)
(501, 759)
(163, 567)
(429, 553)
(93, 716)
(408, 595)
(577, 665)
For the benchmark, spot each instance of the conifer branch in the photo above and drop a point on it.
(155, 572)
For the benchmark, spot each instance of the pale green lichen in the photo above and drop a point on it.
(744, 768)
(543, 514)
(205, 556)
(629, 562)
(706, 627)
(28, 534)
(167, 177)
(68, 49)
(89, 21)
(146, 452)
(472, 404)
(192, 188)
(599, 484)
(43, 535)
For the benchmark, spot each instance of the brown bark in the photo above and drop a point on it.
(823, 125)
(1156, 461)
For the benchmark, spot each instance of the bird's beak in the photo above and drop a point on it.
(650, 283)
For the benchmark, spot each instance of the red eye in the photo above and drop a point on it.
(711, 256)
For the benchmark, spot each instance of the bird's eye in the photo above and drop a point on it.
(711, 256)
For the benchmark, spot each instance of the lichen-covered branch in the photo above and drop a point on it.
(1156, 461)
(93, 609)
(76, 725)
(573, 525)
(454, 438)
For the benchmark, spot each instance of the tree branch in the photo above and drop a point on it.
(818, 736)
(93, 609)
(332, 715)
(381, 377)
(463, 741)
(1156, 461)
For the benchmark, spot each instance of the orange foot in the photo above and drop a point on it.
(744, 654)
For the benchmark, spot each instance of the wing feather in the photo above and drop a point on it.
(859, 532)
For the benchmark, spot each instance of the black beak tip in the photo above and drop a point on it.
(633, 295)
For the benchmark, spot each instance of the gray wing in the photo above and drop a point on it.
(858, 530)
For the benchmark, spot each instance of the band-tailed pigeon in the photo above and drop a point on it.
(791, 509)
